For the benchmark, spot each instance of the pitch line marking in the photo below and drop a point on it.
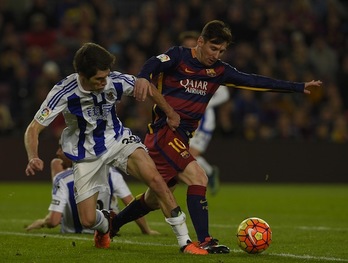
(304, 228)
(123, 241)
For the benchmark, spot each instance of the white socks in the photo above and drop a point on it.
(179, 227)
(101, 223)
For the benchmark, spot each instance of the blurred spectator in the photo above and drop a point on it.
(342, 81)
(39, 34)
(6, 122)
(323, 59)
(39, 8)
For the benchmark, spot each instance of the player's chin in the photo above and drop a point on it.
(210, 62)
(99, 88)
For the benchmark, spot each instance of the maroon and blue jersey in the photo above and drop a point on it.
(188, 85)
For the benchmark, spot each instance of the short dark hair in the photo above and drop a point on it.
(217, 32)
(92, 57)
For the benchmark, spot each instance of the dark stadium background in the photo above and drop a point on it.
(259, 137)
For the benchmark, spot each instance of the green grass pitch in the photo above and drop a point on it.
(309, 224)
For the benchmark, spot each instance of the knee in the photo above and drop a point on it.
(147, 199)
(201, 179)
(198, 177)
(87, 222)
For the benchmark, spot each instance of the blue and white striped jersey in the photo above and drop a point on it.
(92, 122)
(63, 200)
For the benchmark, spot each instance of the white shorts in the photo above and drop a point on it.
(91, 176)
(204, 132)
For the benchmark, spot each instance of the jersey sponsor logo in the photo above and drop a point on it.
(195, 86)
(44, 114)
(131, 139)
(210, 72)
(189, 71)
(163, 57)
(96, 114)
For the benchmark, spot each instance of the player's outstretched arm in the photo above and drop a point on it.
(311, 84)
(51, 220)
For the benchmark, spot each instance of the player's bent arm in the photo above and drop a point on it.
(37, 224)
(144, 227)
(51, 220)
(31, 142)
(173, 118)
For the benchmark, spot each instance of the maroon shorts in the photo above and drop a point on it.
(169, 151)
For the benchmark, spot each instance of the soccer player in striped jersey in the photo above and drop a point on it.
(63, 209)
(96, 139)
(187, 79)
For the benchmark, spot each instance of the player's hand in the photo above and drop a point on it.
(173, 120)
(313, 83)
(34, 165)
(142, 88)
(36, 225)
(151, 232)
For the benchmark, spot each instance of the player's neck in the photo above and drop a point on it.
(84, 83)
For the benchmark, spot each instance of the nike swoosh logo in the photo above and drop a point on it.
(189, 71)
(250, 230)
(203, 201)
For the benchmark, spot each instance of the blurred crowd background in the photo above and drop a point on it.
(297, 40)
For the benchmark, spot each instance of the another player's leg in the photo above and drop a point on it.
(197, 205)
(94, 219)
(101, 234)
(134, 210)
(212, 172)
(87, 177)
(157, 196)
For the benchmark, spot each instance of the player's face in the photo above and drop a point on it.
(209, 53)
(96, 82)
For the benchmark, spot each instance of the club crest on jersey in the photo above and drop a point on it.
(110, 96)
(211, 72)
(44, 114)
(163, 57)
(185, 154)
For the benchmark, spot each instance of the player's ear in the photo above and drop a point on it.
(200, 41)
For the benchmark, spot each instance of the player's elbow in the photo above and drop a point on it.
(53, 220)
(51, 224)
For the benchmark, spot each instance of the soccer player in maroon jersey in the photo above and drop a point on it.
(187, 78)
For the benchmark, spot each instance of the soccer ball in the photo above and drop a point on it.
(254, 235)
